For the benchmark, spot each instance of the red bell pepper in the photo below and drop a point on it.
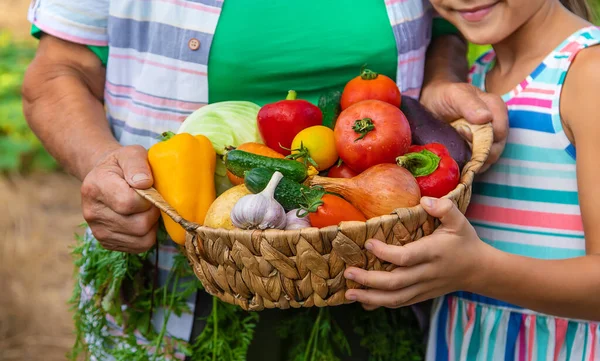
(279, 122)
(437, 173)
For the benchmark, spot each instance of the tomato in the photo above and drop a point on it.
(334, 210)
(254, 148)
(315, 146)
(341, 171)
(371, 132)
(370, 85)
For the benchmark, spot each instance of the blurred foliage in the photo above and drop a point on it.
(20, 150)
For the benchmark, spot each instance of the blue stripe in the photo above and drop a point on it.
(213, 3)
(412, 35)
(128, 128)
(571, 151)
(441, 351)
(475, 341)
(484, 300)
(144, 36)
(525, 119)
(154, 95)
(540, 252)
(514, 326)
(144, 105)
(538, 70)
(536, 154)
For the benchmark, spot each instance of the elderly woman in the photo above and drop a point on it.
(109, 76)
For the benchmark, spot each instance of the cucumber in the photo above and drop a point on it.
(329, 103)
(289, 194)
(238, 162)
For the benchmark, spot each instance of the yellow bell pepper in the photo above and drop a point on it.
(183, 167)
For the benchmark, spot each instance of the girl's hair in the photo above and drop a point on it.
(580, 8)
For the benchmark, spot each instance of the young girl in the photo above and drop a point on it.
(525, 291)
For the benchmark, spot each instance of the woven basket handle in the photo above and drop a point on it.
(155, 198)
(483, 138)
(482, 141)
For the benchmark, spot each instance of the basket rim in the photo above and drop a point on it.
(482, 141)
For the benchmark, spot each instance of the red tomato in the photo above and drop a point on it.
(333, 211)
(370, 85)
(341, 171)
(371, 132)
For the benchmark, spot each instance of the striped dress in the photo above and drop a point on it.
(526, 204)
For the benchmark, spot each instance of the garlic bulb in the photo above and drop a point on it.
(295, 222)
(260, 211)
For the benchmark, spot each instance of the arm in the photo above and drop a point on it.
(447, 94)
(454, 258)
(565, 287)
(62, 101)
(62, 97)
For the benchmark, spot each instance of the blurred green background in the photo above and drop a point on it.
(20, 151)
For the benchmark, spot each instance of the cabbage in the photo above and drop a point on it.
(225, 124)
(229, 123)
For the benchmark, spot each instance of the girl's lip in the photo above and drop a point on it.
(478, 13)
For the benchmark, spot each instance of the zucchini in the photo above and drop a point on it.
(238, 162)
(290, 194)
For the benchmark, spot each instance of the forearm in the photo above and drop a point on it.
(62, 105)
(565, 288)
(446, 61)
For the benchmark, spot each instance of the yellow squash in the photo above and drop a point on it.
(183, 167)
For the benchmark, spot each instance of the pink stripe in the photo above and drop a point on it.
(571, 47)
(539, 91)
(391, 2)
(593, 327)
(128, 104)
(186, 4)
(413, 93)
(525, 218)
(171, 103)
(560, 334)
(159, 65)
(522, 356)
(450, 328)
(530, 101)
(69, 37)
(411, 60)
(531, 342)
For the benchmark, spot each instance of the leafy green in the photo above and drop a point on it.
(20, 150)
(228, 123)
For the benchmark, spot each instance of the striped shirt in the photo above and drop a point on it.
(525, 204)
(157, 72)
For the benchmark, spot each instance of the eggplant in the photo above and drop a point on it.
(426, 128)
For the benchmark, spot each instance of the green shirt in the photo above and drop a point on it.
(239, 68)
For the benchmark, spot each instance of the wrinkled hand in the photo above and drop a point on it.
(451, 101)
(446, 261)
(120, 219)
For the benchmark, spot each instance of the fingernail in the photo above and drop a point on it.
(369, 246)
(350, 276)
(427, 201)
(351, 297)
(140, 177)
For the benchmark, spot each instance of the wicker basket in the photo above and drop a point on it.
(304, 268)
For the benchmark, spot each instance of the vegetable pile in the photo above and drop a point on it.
(292, 164)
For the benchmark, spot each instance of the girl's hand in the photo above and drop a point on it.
(445, 261)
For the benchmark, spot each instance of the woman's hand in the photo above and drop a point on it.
(445, 261)
(450, 101)
(120, 219)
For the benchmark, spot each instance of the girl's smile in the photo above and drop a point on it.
(477, 13)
